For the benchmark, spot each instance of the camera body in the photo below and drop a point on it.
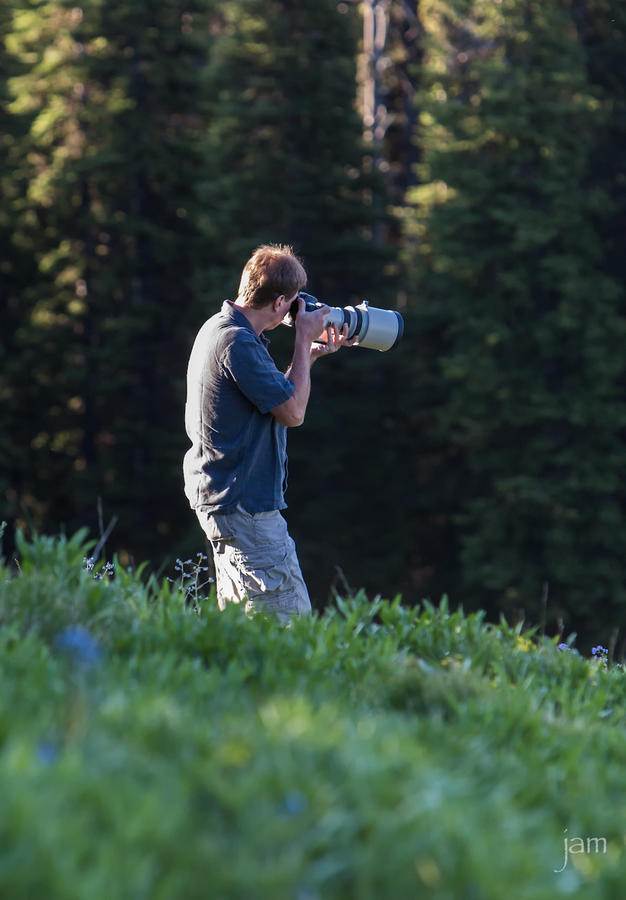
(375, 329)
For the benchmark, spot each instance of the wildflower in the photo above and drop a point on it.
(563, 647)
(107, 569)
(192, 579)
(306, 892)
(294, 803)
(599, 652)
(80, 646)
(47, 753)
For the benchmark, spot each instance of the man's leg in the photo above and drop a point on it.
(256, 562)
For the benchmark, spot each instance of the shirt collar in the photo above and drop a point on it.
(232, 312)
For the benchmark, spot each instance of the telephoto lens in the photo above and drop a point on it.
(375, 329)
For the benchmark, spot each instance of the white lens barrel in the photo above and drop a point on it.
(336, 317)
(383, 328)
(375, 329)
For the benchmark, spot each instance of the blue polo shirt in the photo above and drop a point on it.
(238, 450)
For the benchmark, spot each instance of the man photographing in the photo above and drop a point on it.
(239, 406)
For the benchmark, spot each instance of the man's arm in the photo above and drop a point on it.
(291, 412)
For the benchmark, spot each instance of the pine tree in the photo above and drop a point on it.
(528, 321)
(286, 162)
(399, 65)
(602, 31)
(112, 100)
(15, 269)
(285, 157)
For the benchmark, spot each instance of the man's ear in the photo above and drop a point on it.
(277, 302)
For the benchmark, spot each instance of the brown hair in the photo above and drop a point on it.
(272, 270)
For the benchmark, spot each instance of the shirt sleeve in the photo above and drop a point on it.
(255, 374)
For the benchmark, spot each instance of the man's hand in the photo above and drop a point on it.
(332, 340)
(310, 325)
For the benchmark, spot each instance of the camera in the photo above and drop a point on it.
(375, 329)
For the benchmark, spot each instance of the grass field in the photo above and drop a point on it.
(150, 749)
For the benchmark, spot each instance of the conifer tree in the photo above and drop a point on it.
(602, 32)
(111, 100)
(529, 321)
(286, 162)
(14, 274)
(285, 159)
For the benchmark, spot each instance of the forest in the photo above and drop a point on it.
(461, 162)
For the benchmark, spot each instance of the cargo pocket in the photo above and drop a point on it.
(265, 572)
(216, 526)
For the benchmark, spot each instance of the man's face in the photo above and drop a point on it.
(281, 307)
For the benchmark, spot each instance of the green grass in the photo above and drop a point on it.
(378, 751)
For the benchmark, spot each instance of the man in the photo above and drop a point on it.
(239, 406)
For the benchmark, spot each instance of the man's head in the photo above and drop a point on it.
(272, 271)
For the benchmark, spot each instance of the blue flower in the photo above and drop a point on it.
(599, 651)
(80, 646)
(563, 647)
(294, 803)
(47, 753)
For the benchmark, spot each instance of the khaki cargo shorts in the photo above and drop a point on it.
(256, 562)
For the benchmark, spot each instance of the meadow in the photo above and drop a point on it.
(152, 747)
